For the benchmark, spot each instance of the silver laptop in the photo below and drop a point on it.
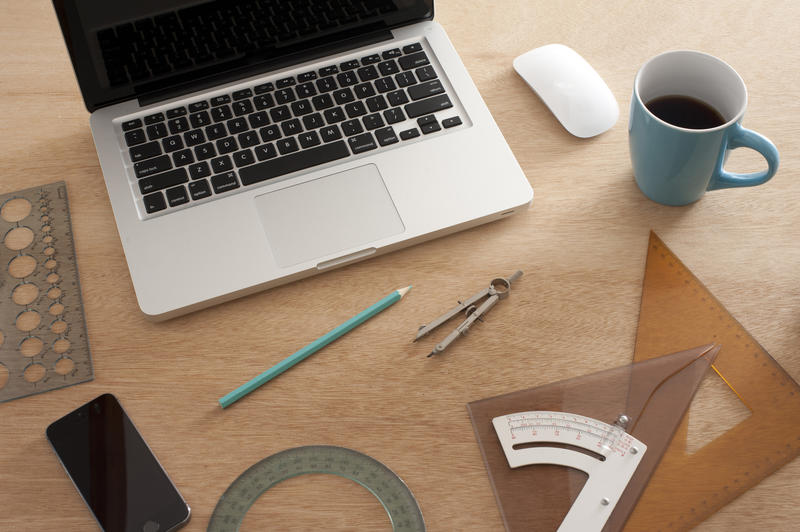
(249, 144)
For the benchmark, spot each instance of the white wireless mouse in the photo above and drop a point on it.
(569, 86)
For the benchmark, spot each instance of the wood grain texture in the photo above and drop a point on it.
(582, 247)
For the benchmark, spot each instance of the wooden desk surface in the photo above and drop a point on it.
(582, 247)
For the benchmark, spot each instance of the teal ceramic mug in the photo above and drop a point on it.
(676, 165)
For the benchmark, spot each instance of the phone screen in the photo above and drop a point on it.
(115, 471)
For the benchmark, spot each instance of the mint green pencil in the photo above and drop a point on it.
(313, 347)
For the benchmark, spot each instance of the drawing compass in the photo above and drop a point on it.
(474, 308)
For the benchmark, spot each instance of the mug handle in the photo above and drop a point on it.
(740, 137)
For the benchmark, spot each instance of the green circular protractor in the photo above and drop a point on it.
(382, 482)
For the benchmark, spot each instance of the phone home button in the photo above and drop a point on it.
(151, 526)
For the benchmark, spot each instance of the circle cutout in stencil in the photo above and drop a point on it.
(49, 251)
(3, 375)
(52, 278)
(28, 320)
(64, 365)
(47, 239)
(18, 238)
(31, 346)
(34, 372)
(21, 266)
(61, 345)
(2, 338)
(46, 228)
(58, 327)
(56, 309)
(54, 293)
(50, 264)
(25, 293)
(15, 209)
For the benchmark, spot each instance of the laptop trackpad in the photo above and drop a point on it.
(333, 213)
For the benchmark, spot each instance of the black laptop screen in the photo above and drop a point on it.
(122, 49)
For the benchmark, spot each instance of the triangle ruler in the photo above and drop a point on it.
(678, 312)
(576, 455)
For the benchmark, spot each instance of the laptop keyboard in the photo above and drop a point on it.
(209, 147)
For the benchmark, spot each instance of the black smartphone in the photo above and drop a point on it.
(115, 471)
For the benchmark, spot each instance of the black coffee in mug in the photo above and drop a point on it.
(685, 111)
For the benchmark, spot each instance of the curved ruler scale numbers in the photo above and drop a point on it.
(398, 501)
(676, 311)
(43, 342)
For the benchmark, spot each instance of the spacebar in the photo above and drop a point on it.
(292, 163)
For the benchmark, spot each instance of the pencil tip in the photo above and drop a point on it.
(404, 291)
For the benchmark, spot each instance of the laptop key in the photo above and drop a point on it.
(349, 65)
(175, 113)
(264, 152)
(145, 151)
(182, 157)
(451, 122)
(199, 189)
(193, 138)
(328, 71)
(373, 121)
(264, 87)
(291, 127)
(279, 114)
(409, 134)
(285, 82)
(204, 151)
(258, 119)
(178, 125)
(413, 61)
(362, 143)
(172, 143)
(394, 115)
(368, 73)
(306, 76)
(224, 182)
(347, 79)
(397, 98)
(421, 121)
(386, 136)
(411, 48)
(352, 127)
(285, 95)
(161, 181)
(237, 125)
(156, 131)
(388, 68)
(308, 139)
(425, 90)
(198, 106)
(370, 59)
(385, 85)
(376, 103)
(264, 101)
(330, 133)
(227, 145)
(388, 54)
(355, 109)
(216, 131)
(425, 73)
(287, 145)
(200, 119)
(321, 102)
(199, 170)
(131, 124)
(177, 196)
(364, 90)
(404, 79)
(153, 119)
(154, 202)
(269, 133)
(301, 107)
(293, 162)
(313, 121)
(430, 127)
(132, 138)
(428, 106)
(326, 84)
(334, 115)
(248, 139)
(242, 107)
(220, 100)
(221, 113)
(243, 158)
(221, 164)
(152, 166)
(343, 96)
(306, 90)
(242, 94)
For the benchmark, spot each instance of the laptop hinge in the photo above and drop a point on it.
(244, 68)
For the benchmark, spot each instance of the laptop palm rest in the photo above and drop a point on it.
(334, 213)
